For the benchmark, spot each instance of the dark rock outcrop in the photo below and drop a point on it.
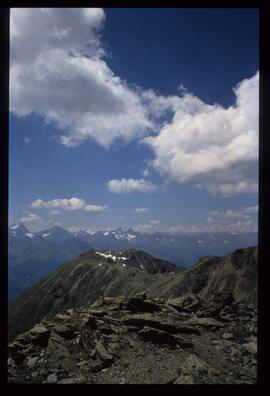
(109, 344)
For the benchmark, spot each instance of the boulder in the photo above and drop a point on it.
(31, 361)
(65, 331)
(52, 378)
(17, 354)
(105, 356)
(250, 347)
(138, 304)
(141, 295)
(40, 335)
(157, 336)
(89, 321)
(188, 303)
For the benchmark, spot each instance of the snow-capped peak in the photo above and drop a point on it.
(14, 227)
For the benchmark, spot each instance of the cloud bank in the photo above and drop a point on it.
(68, 204)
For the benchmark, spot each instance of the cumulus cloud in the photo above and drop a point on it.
(68, 204)
(141, 210)
(129, 186)
(214, 147)
(58, 71)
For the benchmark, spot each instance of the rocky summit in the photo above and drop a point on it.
(141, 340)
(111, 317)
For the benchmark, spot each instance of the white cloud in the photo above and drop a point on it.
(150, 227)
(30, 218)
(154, 222)
(68, 204)
(244, 212)
(27, 140)
(146, 172)
(232, 213)
(54, 212)
(129, 186)
(251, 209)
(141, 210)
(224, 221)
(57, 71)
(34, 222)
(214, 147)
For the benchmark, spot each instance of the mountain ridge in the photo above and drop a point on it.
(94, 274)
(33, 255)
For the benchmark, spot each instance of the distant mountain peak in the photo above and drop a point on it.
(19, 226)
(58, 228)
(18, 231)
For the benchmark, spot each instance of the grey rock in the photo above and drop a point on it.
(52, 378)
(106, 357)
(65, 331)
(250, 347)
(40, 335)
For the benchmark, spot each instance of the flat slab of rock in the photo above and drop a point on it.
(151, 321)
(206, 322)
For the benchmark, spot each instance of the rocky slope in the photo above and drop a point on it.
(81, 281)
(141, 340)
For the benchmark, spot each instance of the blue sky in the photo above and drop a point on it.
(147, 118)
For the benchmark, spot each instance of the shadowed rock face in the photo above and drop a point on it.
(117, 340)
(80, 282)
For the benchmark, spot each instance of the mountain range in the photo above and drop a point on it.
(93, 274)
(34, 255)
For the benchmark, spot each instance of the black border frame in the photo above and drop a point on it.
(264, 179)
